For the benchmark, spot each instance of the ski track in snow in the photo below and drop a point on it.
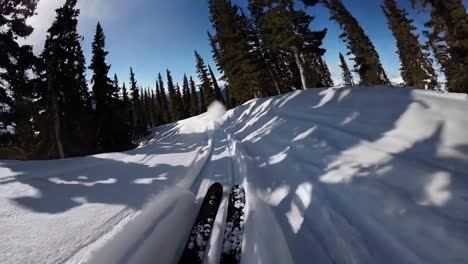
(339, 175)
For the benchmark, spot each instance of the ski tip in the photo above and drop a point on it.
(216, 186)
(237, 186)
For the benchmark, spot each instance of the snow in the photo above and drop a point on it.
(339, 175)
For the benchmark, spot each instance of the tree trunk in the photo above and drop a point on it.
(272, 76)
(300, 65)
(55, 114)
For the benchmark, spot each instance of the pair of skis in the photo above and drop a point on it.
(194, 250)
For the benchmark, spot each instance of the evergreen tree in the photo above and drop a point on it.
(127, 114)
(449, 40)
(154, 109)
(287, 29)
(271, 60)
(194, 102)
(186, 97)
(164, 105)
(206, 84)
(202, 100)
(149, 108)
(217, 91)
(216, 50)
(137, 113)
(116, 87)
(346, 75)
(176, 106)
(112, 131)
(158, 104)
(125, 98)
(179, 103)
(367, 60)
(15, 87)
(416, 67)
(66, 100)
(238, 59)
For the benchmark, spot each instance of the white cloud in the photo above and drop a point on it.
(41, 22)
(45, 15)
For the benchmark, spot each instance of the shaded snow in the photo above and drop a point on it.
(361, 175)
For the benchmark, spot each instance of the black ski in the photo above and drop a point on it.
(233, 232)
(195, 248)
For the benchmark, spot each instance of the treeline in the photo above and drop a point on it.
(274, 50)
(47, 109)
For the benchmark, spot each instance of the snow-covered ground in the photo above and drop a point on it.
(362, 175)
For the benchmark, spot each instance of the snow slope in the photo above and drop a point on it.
(339, 175)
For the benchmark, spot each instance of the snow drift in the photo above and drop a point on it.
(339, 175)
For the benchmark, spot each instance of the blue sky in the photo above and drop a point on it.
(153, 35)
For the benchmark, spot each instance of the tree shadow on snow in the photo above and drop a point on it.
(327, 200)
(130, 178)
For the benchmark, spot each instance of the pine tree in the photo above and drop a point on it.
(159, 104)
(150, 108)
(179, 103)
(125, 98)
(275, 69)
(367, 60)
(202, 100)
(186, 97)
(286, 29)
(67, 100)
(112, 131)
(238, 59)
(126, 111)
(194, 102)
(176, 104)
(154, 108)
(449, 40)
(206, 84)
(416, 67)
(215, 50)
(15, 86)
(217, 91)
(346, 75)
(116, 87)
(164, 102)
(137, 113)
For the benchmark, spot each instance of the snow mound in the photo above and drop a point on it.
(339, 175)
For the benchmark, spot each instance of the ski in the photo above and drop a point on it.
(195, 247)
(233, 232)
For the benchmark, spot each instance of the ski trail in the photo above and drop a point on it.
(263, 239)
(218, 168)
